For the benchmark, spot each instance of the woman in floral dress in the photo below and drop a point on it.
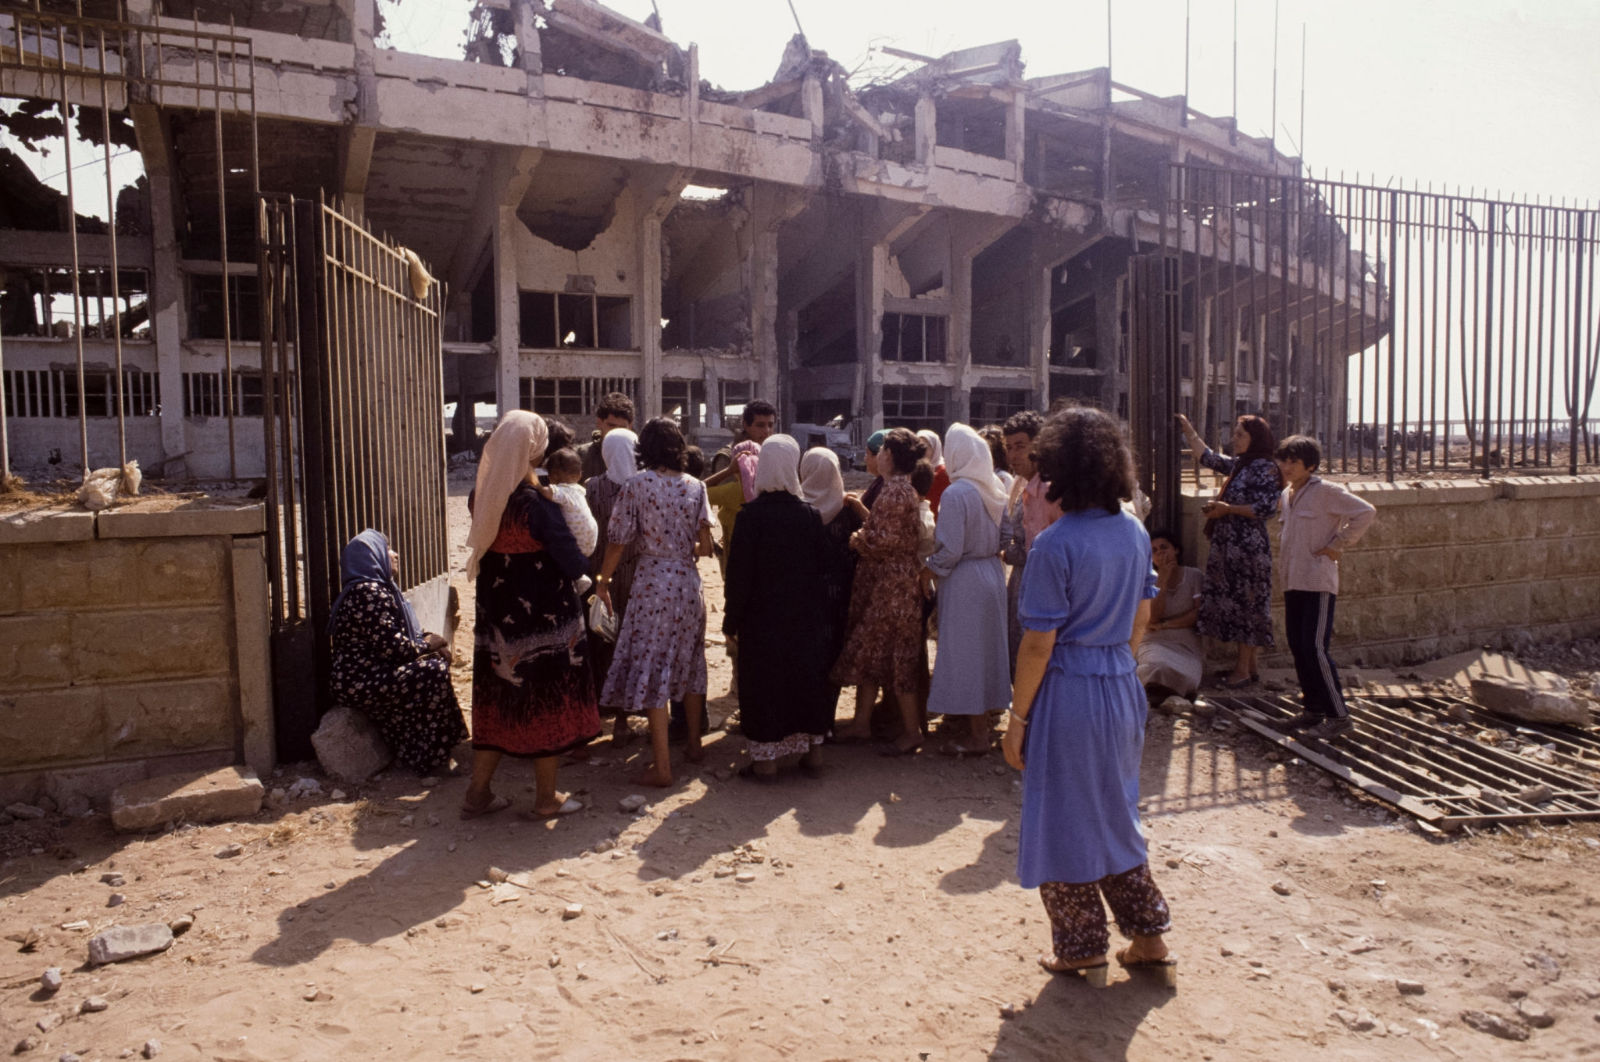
(1236, 603)
(882, 646)
(385, 665)
(532, 691)
(661, 649)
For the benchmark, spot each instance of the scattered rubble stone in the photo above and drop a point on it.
(181, 925)
(1535, 1015)
(24, 811)
(632, 803)
(94, 1005)
(24, 1045)
(228, 851)
(120, 943)
(1493, 1024)
(116, 899)
(1535, 794)
(744, 877)
(196, 796)
(49, 1021)
(1280, 888)
(1410, 988)
(1357, 1021)
(50, 980)
(151, 1048)
(113, 879)
(349, 746)
(571, 911)
(1549, 703)
(69, 1056)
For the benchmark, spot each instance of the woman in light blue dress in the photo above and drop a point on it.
(1078, 714)
(972, 673)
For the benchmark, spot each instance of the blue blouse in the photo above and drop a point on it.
(1085, 577)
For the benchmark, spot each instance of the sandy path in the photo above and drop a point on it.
(883, 922)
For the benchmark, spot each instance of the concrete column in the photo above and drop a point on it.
(529, 45)
(770, 207)
(654, 191)
(872, 266)
(1036, 307)
(507, 310)
(970, 235)
(811, 106)
(167, 296)
(927, 129)
(1016, 129)
(253, 650)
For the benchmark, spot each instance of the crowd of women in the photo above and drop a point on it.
(825, 589)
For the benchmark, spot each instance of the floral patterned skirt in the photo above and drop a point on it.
(1236, 602)
(661, 650)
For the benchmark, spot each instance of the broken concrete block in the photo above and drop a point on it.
(120, 943)
(197, 796)
(1551, 703)
(349, 746)
(25, 811)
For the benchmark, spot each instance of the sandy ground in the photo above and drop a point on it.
(882, 920)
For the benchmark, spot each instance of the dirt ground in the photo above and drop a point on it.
(881, 920)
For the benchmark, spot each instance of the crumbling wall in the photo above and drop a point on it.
(1452, 565)
(132, 643)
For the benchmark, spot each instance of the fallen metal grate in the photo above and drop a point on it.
(1447, 762)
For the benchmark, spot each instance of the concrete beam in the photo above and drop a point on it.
(504, 183)
(355, 163)
(19, 247)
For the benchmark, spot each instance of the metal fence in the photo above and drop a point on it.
(112, 65)
(1408, 330)
(353, 389)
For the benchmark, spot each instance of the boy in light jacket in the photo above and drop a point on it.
(1320, 521)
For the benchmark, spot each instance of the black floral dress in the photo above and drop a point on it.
(1236, 603)
(379, 670)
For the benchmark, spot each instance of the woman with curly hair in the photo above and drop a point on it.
(884, 640)
(661, 649)
(1236, 602)
(1078, 712)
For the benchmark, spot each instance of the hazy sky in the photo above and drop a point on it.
(1487, 93)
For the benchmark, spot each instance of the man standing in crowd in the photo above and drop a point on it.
(1027, 513)
(614, 411)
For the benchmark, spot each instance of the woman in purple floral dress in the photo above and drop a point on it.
(1236, 602)
(661, 649)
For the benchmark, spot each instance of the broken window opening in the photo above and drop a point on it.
(205, 308)
(992, 405)
(560, 320)
(53, 392)
(978, 126)
(916, 406)
(492, 36)
(1079, 386)
(1073, 336)
(573, 396)
(323, 20)
(825, 332)
(203, 394)
(684, 401)
(735, 395)
(830, 412)
(913, 337)
(38, 302)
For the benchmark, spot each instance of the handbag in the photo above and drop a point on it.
(602, 621)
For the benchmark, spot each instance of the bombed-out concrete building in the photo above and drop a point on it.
(950, 243)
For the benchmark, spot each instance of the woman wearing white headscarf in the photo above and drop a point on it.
(822, 487)
(941, 474)
(776, 606)
(620, 451)
(971, 675)
(532, 691)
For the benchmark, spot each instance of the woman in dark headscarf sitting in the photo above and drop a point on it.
(385, 665)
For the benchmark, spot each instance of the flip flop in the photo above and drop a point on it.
(1166, 968)
(572, 806)
(496, 803)
(1098, 975)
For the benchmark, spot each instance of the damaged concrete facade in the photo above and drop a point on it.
(950, 245)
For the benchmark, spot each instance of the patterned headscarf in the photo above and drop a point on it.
(746, 456)
(515, 446)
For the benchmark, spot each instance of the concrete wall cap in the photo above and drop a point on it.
(1550, 486)
(46, 525)
(173, 523)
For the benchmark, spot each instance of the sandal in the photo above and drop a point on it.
(1167, 968)
(749, 771)
(490, 806)
(571, 806)
(1097, 974)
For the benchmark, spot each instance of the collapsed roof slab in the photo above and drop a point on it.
(419, 191)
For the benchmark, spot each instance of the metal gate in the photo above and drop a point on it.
(352, 379)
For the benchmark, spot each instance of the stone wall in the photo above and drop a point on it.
(1454, 565)
(133, 643)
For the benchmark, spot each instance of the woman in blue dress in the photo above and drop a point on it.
(1078, 711)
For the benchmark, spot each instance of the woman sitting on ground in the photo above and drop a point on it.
(1078, 704)
(385, 666)
(776, 599)
(1170, 660)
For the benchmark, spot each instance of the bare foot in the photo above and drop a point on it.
(1055, 965)
(654, 777)
(695, 753)
(553, 808)
(1143, 949)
